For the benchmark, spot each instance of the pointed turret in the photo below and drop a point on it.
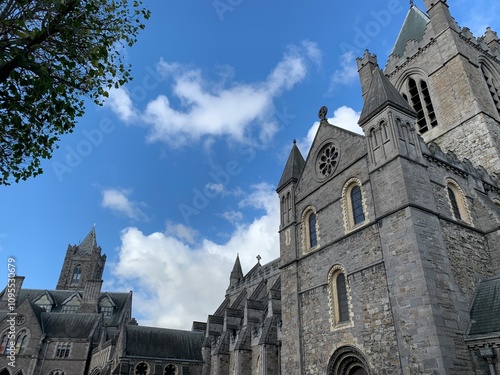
(381, 94)
(89, 242)
(293, 167)
(388, 123)
(236, 273)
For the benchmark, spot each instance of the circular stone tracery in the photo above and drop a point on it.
(141, 368)
(327, 160)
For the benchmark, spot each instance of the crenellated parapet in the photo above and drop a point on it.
(464, 168)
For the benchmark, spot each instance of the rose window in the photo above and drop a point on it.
(328, 160)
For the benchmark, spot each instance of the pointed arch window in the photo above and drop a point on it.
(493, 86)
(416, 92)
(457, 202)
(3, 343)
(22, 342)
(283, 210)
(56, 372)
(77, 273)
(288, 207)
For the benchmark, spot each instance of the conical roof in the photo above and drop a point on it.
(88, 243)
(293, 167)
(380, 94)
(237, 273)
(413, 29)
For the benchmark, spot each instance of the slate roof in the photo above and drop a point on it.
(59, 296)
(237, 273)
(77, 326)
(293, 167)
(380, 94)
(163, 343)
(413, 29)
(88, 243)
(485, 312)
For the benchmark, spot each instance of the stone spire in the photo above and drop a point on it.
(89, 243)
(236, 273)
(381, 94)
(293, 167)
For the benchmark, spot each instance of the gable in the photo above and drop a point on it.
(333, 151)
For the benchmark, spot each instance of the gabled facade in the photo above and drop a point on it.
(393, 240)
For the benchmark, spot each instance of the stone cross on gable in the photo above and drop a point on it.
(258, 258)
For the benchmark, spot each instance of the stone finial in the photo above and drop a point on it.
(322, 113)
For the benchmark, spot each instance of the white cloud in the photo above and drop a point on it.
(118, 201)
(120, 102)
(477, 15)
(232, 216)
(179, 278)
(197, 107)
(348, 72)
(343, 117)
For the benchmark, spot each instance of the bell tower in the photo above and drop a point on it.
(452, 81)
(82, 263)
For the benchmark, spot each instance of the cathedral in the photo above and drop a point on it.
(389, 245)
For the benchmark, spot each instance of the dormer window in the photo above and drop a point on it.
(45, 303)
(71, 305)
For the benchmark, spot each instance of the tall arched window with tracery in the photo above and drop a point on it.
(416, 92)
(21, 341)
(492, 81)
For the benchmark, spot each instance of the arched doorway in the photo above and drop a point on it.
(348, 360)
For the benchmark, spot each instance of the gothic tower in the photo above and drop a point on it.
(82, 263)
(452, 80)
(289, 253)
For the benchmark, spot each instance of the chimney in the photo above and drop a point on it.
(11, 292)
(91, 295)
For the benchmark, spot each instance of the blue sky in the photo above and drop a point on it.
(178, 170)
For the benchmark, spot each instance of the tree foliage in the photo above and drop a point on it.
(53, 55)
